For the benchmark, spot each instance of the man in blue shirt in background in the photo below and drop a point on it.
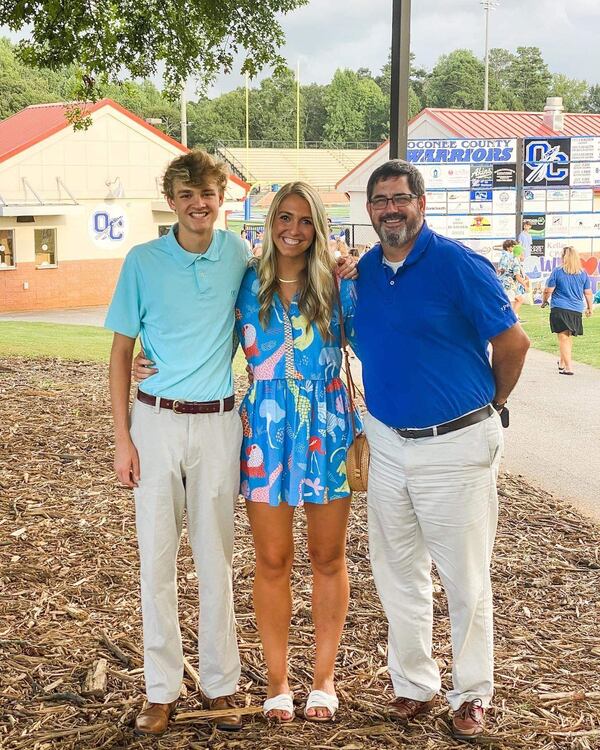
(525, 239)
(427, 309)
(180, 450)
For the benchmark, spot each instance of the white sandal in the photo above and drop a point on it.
(321, 699)
(281, 702)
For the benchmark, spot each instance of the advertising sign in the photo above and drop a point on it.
(482, 177)
(505, 175)
(546, 161)
(461, 150)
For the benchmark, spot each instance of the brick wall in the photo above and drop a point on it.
(70, 284)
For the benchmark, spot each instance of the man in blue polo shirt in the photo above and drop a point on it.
(427, 309)
(180, 449)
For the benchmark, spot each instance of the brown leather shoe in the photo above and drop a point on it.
(225, 723)
(467, 722)
(154, 718)
(405, 709)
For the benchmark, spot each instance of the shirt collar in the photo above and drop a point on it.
(186, 259)
(418, 249)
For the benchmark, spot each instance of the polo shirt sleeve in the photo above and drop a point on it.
(348, 299)
(480, 296)
(551, 280)
(124, 312)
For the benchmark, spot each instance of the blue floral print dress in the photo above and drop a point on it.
(295, 415)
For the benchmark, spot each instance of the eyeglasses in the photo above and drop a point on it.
(399, 200)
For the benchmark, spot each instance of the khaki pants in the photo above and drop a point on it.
(435, 498)
(188, 462)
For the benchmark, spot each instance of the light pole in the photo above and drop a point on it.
(488, 5)
(400, 78)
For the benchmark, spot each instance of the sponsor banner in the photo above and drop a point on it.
(458, 202)
(461, 150)
(557, 200)
(538, 247)
(546, 161)
(435, 202)
(438, 223)
(585, 149)
(108, 225)
(481, 226)
(444, 176)
(585, 173)
(538, 225)
(505, 175)
(458, 226)
(584, 225)
(534, 200)
(482, 177)
(557, 225)
(504, 201)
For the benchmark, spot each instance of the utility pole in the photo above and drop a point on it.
(488, 5)
(400, 78)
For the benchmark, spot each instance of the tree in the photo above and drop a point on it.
(356, 108)
(456, 81)
(529, 79)
(574, 92)
(415, 86)
(313, 114)
(110, 38)
(592, 100)
(221, 119)
(273, 108)
(501, 94)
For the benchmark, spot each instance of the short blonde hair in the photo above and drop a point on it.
(195, 168)
(571, 262)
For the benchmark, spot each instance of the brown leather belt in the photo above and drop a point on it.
(188, 407)
(454, 424)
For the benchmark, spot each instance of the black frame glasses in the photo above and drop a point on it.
(400, 200)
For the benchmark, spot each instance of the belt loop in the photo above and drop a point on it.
(221, 406)
(435, 432)
(157, 405)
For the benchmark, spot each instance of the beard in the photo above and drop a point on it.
(399, 237)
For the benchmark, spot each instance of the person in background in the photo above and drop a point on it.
(247, 243)
(257, 247)
(507, 267)
(525, 239)
(521, 279)
(569, 294)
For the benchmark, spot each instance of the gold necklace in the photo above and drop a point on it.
(287, 281)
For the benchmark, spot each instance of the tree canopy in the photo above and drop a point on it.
(110, 39)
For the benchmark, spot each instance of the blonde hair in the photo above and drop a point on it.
(571, 262)
(316, 295)
(195, 168)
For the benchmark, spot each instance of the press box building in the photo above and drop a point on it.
(73, 202)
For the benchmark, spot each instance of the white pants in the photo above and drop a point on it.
(188, 462)
(435, 498)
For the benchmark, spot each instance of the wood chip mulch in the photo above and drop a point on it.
(70, 634)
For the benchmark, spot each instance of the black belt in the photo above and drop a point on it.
(454, 424)
(188, 407)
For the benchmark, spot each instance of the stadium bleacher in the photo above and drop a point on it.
(321, 167)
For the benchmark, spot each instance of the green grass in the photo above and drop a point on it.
(82, 343)
(586, 348)
(87, 343)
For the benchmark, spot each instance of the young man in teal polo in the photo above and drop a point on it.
(180, 448)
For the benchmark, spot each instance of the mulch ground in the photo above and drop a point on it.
(69, 600)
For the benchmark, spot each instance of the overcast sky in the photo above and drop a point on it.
(330, 34)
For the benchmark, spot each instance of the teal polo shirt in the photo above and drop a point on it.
(181, 305)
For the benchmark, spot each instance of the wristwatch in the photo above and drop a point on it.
(498, 407)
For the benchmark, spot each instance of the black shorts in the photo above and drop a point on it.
(566, 321)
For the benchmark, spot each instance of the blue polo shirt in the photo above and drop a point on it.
(181, 305)
(422, 332)
(568, 289)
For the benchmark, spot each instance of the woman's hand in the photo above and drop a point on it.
(588, 313)
(142, 367)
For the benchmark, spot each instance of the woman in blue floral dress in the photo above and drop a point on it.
(297, 428)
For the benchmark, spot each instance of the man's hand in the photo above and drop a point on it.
(142, 367)
(346, 267)
(127, 463)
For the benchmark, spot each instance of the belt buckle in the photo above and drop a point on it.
(176, 405)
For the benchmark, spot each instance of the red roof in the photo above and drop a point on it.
(466, 123)
(39, 121)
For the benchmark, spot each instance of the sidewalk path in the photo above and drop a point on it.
(554, 437)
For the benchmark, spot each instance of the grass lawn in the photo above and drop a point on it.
(586, 348)
(82, 343)
(87, 343)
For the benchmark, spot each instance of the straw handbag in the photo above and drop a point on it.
(357, 458)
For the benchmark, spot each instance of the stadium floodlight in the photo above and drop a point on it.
(488, 5)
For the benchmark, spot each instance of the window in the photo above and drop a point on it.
(45, 248)
(7, 248)
(163, 229)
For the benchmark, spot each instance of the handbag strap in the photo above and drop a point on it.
(349, 379)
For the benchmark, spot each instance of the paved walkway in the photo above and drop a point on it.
(554, 437)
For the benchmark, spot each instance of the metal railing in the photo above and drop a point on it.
(346, 146)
